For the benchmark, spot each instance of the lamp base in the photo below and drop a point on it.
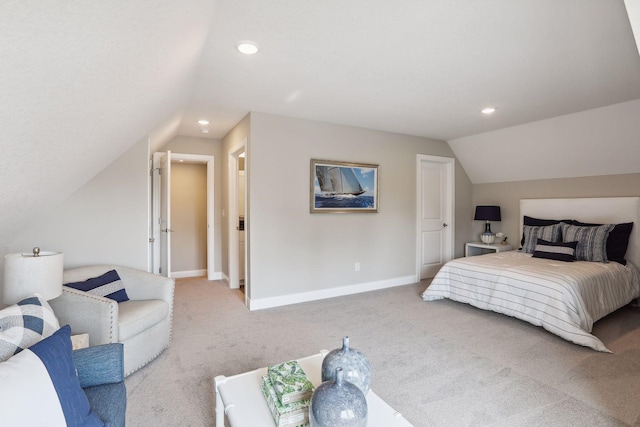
(487, 237)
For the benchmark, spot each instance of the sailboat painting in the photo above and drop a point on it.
(343, 187)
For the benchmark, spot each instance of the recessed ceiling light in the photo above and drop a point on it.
(488, 110)
(205, 130)
(247, 47)
(203, 122)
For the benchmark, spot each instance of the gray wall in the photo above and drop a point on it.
(294, 251)
(188, 217)
(230, 144)
(104, 222)
(507, 196)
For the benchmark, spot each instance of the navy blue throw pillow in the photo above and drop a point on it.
(557, 251)
(108, 285)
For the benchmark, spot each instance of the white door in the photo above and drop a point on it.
(165, 215)
(233, 223)
(160, 197)
(435, 213)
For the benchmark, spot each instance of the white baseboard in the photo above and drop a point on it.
(270, 302)
(217, 275)
(192, 273)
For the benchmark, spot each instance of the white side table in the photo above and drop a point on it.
(479, 248)
(239, 398)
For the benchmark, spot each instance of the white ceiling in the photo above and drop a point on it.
(82, 82)
(415, 67)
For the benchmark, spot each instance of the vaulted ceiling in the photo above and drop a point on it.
(416, 67)
(84, 81)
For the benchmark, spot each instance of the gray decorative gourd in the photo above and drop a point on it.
(355, 365)
(338, 403)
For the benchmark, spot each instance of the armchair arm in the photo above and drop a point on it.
(103, 364)
(87, 313)
(143, 285)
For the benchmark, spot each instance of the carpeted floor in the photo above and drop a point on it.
(438, 363)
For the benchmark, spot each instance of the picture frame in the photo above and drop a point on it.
(343, 187)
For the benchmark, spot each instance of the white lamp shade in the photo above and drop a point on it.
(26, 274)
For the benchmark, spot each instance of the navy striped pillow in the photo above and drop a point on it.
(592, 241)
(108, 285)
(557, 251)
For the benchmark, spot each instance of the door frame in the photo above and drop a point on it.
(233, 218)
(449, 163)
(155, 207)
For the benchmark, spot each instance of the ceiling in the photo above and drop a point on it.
(83, 82)
(423, 68)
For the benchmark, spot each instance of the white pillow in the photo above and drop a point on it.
(40, 387)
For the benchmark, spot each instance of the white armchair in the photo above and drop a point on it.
(142, 324)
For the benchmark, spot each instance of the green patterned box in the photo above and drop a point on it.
(292, 414)
(290, 382)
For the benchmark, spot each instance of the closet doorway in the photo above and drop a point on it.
(162, 229)
(238, 221)
(435, 213)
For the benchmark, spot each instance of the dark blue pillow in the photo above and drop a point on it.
(557, 251)
(40, 386)
(108, 285)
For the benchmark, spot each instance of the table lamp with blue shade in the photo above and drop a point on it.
(487, 213)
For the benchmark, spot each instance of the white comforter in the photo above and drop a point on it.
(565, 298)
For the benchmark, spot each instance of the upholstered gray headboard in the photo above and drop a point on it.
(602, 210)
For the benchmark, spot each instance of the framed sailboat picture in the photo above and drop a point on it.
(342, 187)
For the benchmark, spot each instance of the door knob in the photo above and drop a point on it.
(445, 225)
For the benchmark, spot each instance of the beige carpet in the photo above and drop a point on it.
(438, 363)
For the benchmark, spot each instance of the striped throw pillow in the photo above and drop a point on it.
(592, 241)
(557, 251)
(108, 285)
(550, 233)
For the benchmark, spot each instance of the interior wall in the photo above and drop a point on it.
(209, 147)
(507, 196)
(188, 217)
(230, 144)
(293, 251)
(104, 222)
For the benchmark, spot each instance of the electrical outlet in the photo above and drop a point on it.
(356, 267)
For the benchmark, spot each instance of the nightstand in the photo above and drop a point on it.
(479, 248)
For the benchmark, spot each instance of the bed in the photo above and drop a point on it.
(565, 298)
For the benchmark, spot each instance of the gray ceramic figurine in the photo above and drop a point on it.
(354, 364)
(338, 404)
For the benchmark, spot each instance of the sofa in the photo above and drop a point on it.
(142, 322)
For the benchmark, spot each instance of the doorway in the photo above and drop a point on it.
(161, 228)
(238, 220)
(435, 213)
